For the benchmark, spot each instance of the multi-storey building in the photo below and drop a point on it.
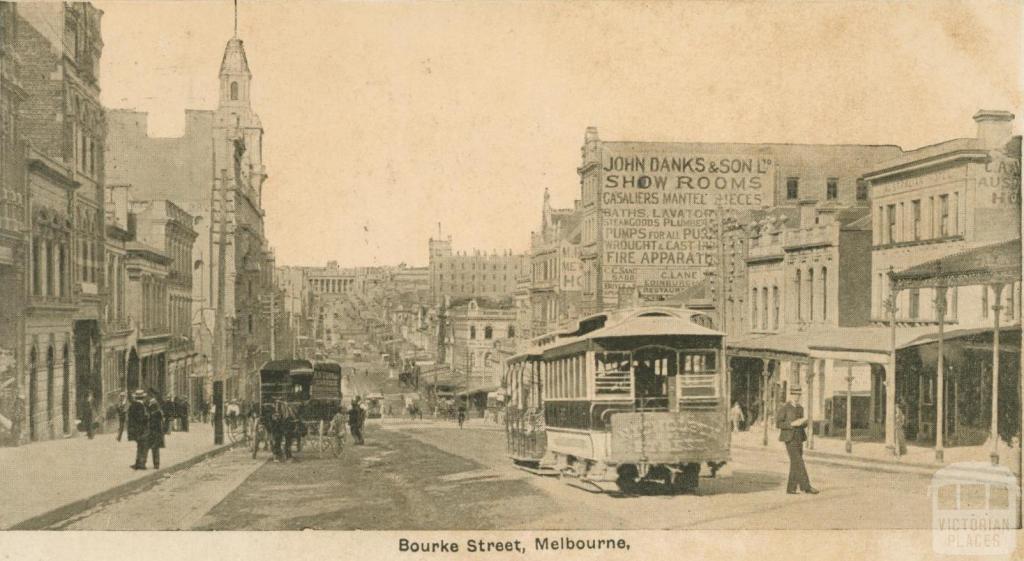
(651, 212)
(214, 172)
(477, 327)
(162, 225)
(58, 47)
(939, 200)
(118, 331)
(947, 229)
(475, 274)
(13, 249)
(555, 268)
(811, 274)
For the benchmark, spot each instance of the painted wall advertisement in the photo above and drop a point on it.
(660, 212)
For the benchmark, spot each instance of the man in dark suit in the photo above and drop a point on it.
(155, 440)
(791, 422)
(138, 428)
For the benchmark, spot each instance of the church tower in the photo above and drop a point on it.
(238, 130)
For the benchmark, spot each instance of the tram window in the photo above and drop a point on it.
(947, 497)
(699, 380)
(999, 496)
(972, 496)
(612, 374)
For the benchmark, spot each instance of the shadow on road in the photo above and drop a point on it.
(739, 482)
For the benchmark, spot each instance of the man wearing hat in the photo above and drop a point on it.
(791, 422)
(138, 428)
(122, 415)
(155, 434)
(355, 421)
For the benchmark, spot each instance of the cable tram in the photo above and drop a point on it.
(623, 401)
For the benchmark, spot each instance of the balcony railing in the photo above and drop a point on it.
(822, 234)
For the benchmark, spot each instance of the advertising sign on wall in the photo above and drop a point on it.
(660, 208)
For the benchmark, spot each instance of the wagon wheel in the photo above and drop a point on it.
(627, 479)
(237, 432)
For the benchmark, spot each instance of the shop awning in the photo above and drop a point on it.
(998, 262)
(954, 334)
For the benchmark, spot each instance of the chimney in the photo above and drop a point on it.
(994, 127)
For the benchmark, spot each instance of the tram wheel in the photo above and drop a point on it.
(688, 479)
(627, 479)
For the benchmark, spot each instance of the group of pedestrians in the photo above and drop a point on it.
(143, 417)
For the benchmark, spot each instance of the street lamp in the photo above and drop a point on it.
(940, 422)
(889, 304)
(849, 408)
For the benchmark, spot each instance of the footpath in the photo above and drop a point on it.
(45, 482)
(873, 456)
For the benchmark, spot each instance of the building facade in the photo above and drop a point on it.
(555, 268)
(477, 326)
(163, 225)
(652, 212)
(213, 172)
(475, 274)
(13, 221)
(58, 46)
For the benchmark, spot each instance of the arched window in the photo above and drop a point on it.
(49, 383)
(799, 299)
(810, 294)
(66, 389)
(488, 332)
(472, 332)
(764, 308)
(824, 293)
(33, 388)
(775, 304)
(234, 91)
(753, 308)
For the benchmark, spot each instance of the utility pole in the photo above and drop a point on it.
(219, 359)
(273, 323)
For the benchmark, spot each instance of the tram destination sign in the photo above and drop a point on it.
(660, 207)
(667, 437)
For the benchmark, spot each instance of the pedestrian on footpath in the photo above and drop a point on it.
(791, 422)
(355, 421)
(462, 415)
(337, 427)
(184, 414)
(122, 415)
(87, 410)
(138, 426)
(901, 429)
(155, 434)
(736, 416)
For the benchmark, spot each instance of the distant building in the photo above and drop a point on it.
(162, 225)
(478, 326)
(475, 274)
(555, 268)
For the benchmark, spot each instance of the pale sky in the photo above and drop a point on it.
(383, 119)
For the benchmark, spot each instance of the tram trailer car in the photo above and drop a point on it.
(626, 400)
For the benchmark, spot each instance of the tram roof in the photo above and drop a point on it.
(639, 322)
